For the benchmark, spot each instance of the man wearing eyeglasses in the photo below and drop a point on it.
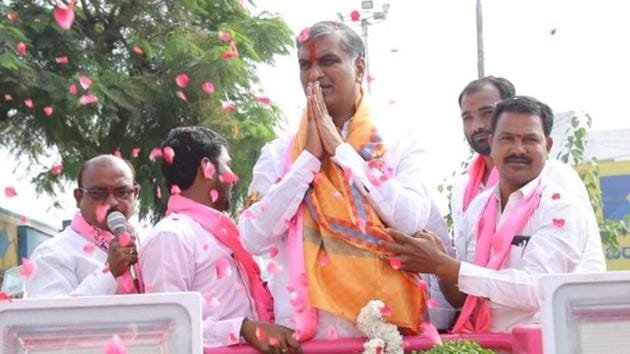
(85, 258)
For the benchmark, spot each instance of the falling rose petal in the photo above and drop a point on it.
(422, 285)
(274, 341)
(370, 78)
(214, 195)
(28, 268)
(228, 106)
(332, 332)
(355, 16)
(117, 153)
(260, 334)
(138, 50)
(4, 296)
(558, 222)
(175, 190)
(207, 87)
(23, 219)
(10, 192)
(208, 170)
(228, 177)
(48, 111)
(182, 96)
(20, 48)
(304, 34)
(273, 251)
(101, 212)
(56, 169)
(62, 59)
(89, 248)
(263, 100)
(273, 267)
(73, 89)
(168, 153)
(375, 181)
(8, 97)
(224, 36)
(379, 350)
(105, 268)
(432, 303)
(337, 195)
(88, 98)
(361, 223)
(386, 311)
(11, 16)
(555, 196)
(347, 174)
(229, 54)
(85, 82)
(114, 346)
(124, 239)
(324, 259)
(395, 263)
(28, 103)
(182, 80)
(155, 153)
(64, 14)
(248, 213)
(222, 268)
(135, 152)
(233, 337)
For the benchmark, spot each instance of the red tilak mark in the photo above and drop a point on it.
(519, 136)
(312, 51)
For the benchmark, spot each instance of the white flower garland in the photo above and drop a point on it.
(382, 337)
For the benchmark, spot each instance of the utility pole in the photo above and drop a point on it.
(480, 60)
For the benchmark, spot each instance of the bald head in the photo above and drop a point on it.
(105, 161)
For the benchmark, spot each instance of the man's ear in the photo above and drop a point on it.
(77, 196)
(549, 141)
(359, 67)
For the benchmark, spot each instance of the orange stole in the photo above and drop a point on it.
(341, 230)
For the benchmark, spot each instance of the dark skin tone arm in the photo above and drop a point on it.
(424, 253)
(283, 334)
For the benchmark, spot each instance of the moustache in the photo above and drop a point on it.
(518, 158)
(476, 135)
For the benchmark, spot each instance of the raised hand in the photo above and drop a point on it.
(121, 257)
(271, 338)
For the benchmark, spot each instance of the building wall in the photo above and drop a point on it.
(615, 186)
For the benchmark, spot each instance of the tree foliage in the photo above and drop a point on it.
(132, 51)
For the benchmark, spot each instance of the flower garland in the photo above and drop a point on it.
(382, 337)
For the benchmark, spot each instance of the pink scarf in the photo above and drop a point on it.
(491, 251)
(224, 230)
(101, 239)
(476, 171)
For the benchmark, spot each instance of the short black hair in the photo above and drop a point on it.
(504, 86)
(85, 165)
(351, 42)
(191, 145)
(524, 104)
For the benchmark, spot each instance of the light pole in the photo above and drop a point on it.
(367, 16)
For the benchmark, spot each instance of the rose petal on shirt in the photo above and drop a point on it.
(248, 213)
(555, 196)
(222, 267)
(28, 268)
(558, 222)
(89, 248)
(395, 263)
(233, 337)
(432, 303)
(273, 267)
(347, 174)
(337, 195)
(324, 259)
(273, 251)
(386, 311)
(331, 332)
(105, 268)
(114, 346)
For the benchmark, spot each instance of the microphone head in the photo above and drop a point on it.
(117, 222)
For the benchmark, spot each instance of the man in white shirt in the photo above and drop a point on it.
(528, 226)
(85, 258)
(196, 247)
(347, 183)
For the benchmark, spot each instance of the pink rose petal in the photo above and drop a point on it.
(56, 169)
(274, 341)
(20, 48)
(228, 106)
(304, 34)
(205, 247)
(62, 59)
(8, 97)
(158, 192)
(168, 153)
(555, 196)
(361, 223)
(233, 337)
(114, 346)
(175, 190)
(101, 212)
(11, 16)
(10, 192)
(214, 195)
(224, 36)
(229, 54)
(117, 153)
(324, 259)
(260, 334)
(64, 14)
(208, 170)
(386, 311)
(124, 239)
(370, 78)
(28, 103)
(182, 80)
(337, 195)
(207, 87)
(135, 152)
(138, 50)
(228, 177)
(432, 303)
(558, 222)
(28, 268)
(395, 263)
(89, 248)
(248, 213)
(182, 96)
(422, 285)
(332, 333)
(155, 153)
(73, 89)
(4, 296)
(263, 100)
(355, 16)
(88, 98)
(347, 175)
(273, 251)
(222, 268)
(48, 111)
(105, 268)
(273, 267)
(85, 82)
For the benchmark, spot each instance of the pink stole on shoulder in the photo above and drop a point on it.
(475, 172)
(101, 239)
(491, 251)
(224, 230)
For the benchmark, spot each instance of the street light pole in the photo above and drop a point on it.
(480, 56)
(364, 34)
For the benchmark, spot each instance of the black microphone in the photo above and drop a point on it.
(117, 223)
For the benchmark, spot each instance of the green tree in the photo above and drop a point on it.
(132, 51)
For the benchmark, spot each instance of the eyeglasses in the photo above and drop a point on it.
(122, 193)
